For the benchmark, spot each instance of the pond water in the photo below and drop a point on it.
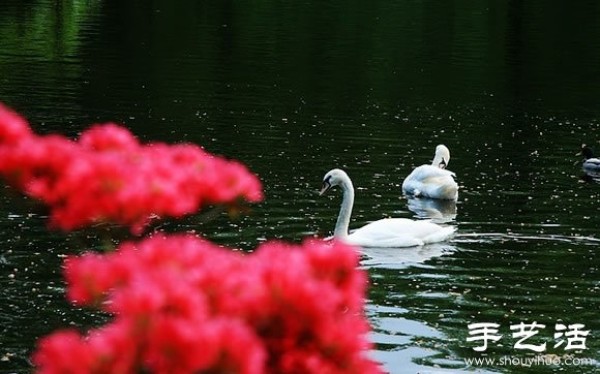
(296, 89)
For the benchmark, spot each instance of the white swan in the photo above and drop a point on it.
(388, 232)
(433, 181)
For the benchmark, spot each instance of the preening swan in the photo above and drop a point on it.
(388, 232)
(433, 181)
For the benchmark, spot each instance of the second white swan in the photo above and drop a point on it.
(388, 232)
(433, 181)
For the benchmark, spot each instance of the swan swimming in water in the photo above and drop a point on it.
(388, 232)
(433, 181)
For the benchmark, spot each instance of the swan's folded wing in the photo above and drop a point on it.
(399, 232)
(439, 187)
(426, 171)
(440, 235)
(431, 181)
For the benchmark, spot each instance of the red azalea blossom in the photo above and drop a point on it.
(108, 137)
(184, 305)
(64, 352)
(90, 278)
(113, 349)
(180, 304)
(13, 127)
(108, 176)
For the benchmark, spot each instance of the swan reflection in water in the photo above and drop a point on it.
(439, 211)
(384, 258)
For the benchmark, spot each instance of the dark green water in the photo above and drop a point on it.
(295, 89)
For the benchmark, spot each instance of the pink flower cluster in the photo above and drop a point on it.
(108, 176)
(184, 305)
(179, 303)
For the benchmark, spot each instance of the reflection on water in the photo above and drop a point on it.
(421, 309)
(396, 258)
(440, 211)
(590, 177)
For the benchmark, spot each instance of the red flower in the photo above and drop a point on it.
(155, 293)
(184, 305)
(108, 137)
(114, 348)
(90, 277)
(197, 346)
(63, 352)
(181, 304)
(13, 127)
(108, 176)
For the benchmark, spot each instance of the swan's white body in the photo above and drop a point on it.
(398, 232)
(389, 232)
(433, 181)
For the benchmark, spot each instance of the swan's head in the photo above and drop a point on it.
(333, 178)
(442, 156)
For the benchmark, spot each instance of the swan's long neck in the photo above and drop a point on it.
(343, 221)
